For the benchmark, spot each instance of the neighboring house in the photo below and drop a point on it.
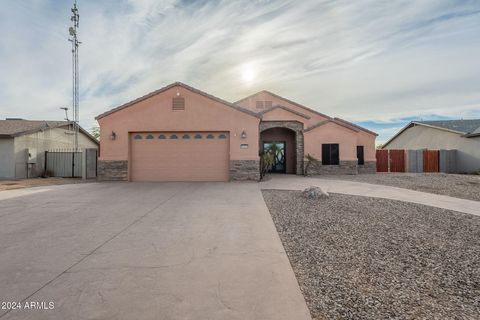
(179, 133)
(23, 144)
(460, 135)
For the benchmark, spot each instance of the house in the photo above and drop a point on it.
(179, 133)
(23, 144)
(460, 135)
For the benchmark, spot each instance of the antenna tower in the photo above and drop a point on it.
(73, 31)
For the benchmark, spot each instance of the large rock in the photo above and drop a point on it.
(314, 193)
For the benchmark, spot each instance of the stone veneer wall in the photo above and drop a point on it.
(112, 170)
(368, 167)
(345, 167)
(245, 170)
(292, 125)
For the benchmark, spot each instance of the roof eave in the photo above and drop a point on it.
(356, 126)
(338, 123)
(286, 109)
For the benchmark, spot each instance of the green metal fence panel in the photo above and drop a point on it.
(65, 164)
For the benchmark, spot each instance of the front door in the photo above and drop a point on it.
(279, 159)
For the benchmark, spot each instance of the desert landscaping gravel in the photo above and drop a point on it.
(454, 185)
(369, 258)
(38, 182)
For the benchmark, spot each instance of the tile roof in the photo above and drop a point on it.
(19, 127)
(463, 126)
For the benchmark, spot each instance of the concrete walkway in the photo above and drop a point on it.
(291, 182)
(145, 251)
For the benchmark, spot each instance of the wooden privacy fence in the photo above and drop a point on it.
(416, 160)
(66, 163)
(431, 161)
(397, 160)
(382, 160)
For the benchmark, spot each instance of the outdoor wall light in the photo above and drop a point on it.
(113, 135)
(244, 134)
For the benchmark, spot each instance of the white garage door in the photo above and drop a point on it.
(179, 156)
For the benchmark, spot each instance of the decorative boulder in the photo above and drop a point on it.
(314, 193)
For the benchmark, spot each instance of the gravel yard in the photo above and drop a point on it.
(368, 258)
(454, 185)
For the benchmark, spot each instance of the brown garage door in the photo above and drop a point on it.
(179, 156)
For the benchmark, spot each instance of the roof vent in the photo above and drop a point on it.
(178, 104)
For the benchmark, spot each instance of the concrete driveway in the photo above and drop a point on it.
(145, 251)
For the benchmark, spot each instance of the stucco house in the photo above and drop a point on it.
(460, 135)
(23, 144)
(179, 133)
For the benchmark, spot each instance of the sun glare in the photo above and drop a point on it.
(248, 73)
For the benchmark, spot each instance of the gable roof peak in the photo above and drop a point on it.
(185, 86)
(287, 100)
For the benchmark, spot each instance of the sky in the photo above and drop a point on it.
(377, 63)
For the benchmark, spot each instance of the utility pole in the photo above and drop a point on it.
(73, 31)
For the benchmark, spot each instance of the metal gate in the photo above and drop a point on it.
(91, 165)
(65, 164)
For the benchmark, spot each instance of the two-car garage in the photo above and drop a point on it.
(179, 156)
(179, 133)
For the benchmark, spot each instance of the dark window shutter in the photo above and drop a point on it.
(360, 155)
(325, 154)
(334, 154)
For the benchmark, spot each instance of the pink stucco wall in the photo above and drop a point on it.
(201, 114)
(331, 133)
(328, 133)
(205, 114)
(368, 141)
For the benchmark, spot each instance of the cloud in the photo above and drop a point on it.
(360, 60)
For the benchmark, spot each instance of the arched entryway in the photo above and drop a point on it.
(288, 139)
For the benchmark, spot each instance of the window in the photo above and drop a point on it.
(173, 136)
(360, 155)
(198, 136)
(186, 136)
(259, 104)
(268, 104)
(330, 154)
(162, 136)
(178, 104)
(137, 137)
(210, 136)
(149, 137)
(222, 136)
